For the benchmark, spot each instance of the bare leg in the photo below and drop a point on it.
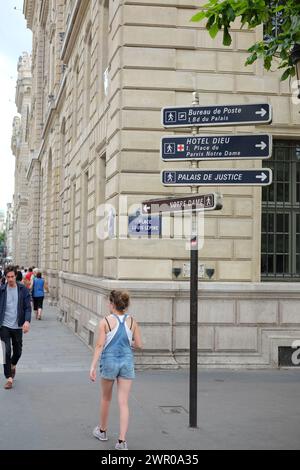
(124, 386)
(106, 394)
(40, 313)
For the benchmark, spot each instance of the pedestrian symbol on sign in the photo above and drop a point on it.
(171, 116)
(208, 201)
(170, 148)
(171, 177)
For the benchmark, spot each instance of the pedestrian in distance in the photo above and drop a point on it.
(2, 277)
(19, 277)
(39, 285)
(26, 282)
(119, 334)
(15, 317)
(28, 277)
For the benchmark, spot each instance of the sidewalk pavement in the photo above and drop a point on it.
(53, 404)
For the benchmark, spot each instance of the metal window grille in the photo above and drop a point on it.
(280, 248)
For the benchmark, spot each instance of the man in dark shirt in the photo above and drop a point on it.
(15, 317)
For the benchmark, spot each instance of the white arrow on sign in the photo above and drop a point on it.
(262, 112)
(262, 177)
(261, 146)
(146, 208)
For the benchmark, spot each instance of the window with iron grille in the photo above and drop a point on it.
(280, 250)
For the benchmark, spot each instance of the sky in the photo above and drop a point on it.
(14, 39)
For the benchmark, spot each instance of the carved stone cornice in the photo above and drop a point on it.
(44, 11)
(28, 10)
(71, 34)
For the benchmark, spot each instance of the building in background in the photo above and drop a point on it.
(2, 221)
(9, 223)
(101, 72)
(20, 149)
(2, 237)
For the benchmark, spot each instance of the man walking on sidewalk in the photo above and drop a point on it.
(15, 317)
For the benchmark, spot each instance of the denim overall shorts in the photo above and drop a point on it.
(117, 357)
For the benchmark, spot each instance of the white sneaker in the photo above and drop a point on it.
(100, 435)
(121, 445)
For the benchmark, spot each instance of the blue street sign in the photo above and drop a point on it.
(141, 225)
(217, 147)
(216, 115)
(232, 177)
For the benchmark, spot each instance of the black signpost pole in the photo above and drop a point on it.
(194, 323)
(194, 305)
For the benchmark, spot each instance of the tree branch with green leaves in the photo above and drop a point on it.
(281, 21)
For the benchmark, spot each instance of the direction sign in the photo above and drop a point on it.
(139, 225)
(232, 177)
(217, 115)
(199, 203)
(217, 147)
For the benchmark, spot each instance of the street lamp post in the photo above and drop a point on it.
(295, 54)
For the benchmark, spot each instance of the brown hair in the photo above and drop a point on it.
(120, 299)
(10, 269)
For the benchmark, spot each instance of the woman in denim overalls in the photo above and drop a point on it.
(119, 333)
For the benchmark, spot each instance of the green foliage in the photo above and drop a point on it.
(281, 20)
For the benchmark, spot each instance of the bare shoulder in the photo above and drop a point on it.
(131, 322)
(102, 323)
(110, 322)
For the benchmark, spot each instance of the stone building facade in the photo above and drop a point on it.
(20, 149)
(2, 221)
(9, 223)
(101, 72)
